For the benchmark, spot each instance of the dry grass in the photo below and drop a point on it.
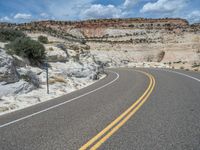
(55, 79)
(196, 39)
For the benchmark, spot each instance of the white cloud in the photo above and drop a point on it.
(194, 16)
(102, 11)
(67, 9)
(6, 18)
(129, 3)
(165, 6)
(22, 16)
(44, 15)
(84, 9)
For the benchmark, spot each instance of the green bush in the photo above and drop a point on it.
(43, 39)
(27, 48)
(10, 35)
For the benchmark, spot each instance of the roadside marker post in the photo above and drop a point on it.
(47, 76)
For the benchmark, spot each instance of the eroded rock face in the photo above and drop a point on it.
(20, 62)
(16, 80)
(15, 88)
(55, 54)
(30, 75)
(8, 73)
(71, 67)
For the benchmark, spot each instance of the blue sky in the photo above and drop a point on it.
(33, 10)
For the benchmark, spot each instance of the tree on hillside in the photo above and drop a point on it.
(7, 35)
(43, 39)
(27, 48)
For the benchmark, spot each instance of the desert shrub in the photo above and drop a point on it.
(74, 47)
(51, 48)
(87, 47)
(177, 62)
(195, 65)
(182, 67)
(131, 25)
(27, 48)
(10, 35)
(150, 58)
(43, 39)
(83, 41)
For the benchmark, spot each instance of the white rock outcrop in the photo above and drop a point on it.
(15, 88)
(55, 54)
(22, 85)
(8, 73)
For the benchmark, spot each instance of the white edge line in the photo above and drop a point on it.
(57, 105)
(184, 75)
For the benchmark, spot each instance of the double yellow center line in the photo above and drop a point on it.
(108, 131)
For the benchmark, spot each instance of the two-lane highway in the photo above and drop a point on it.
(129, 109)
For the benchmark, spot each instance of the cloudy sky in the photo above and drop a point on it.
(31, 10)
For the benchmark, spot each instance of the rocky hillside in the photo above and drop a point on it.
(129, 40)
(98, 28)
(70, 67)
(76, 52)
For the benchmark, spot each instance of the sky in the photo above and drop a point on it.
(18, 11)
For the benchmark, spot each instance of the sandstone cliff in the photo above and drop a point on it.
(133, 40)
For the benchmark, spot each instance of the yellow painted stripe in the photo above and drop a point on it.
(90, 142)
(116, 128)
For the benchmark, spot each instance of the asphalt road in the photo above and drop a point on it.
(164, 114)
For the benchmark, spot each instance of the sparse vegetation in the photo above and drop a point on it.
(87, 47)
(150, 58)
(7, 35)
(177, 62)
(51, 48)
(194, 65)
(74, 47)
(27, 48)
(43, 39)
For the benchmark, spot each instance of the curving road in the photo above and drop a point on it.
(129, 109)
